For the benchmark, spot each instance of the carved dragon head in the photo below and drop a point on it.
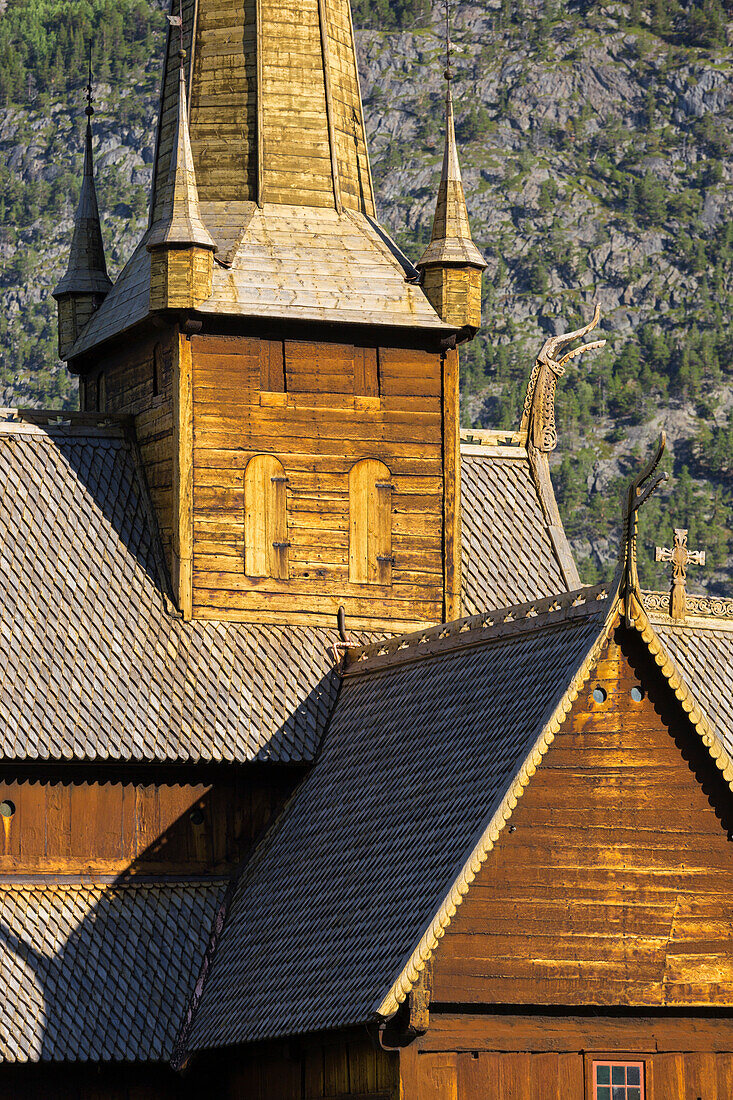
(538, 419)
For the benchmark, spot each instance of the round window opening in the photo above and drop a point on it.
(599, 695)
(197, 817)
(7, 808)
(637, 694)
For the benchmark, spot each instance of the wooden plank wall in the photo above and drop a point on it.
(130, 387)
(318, 428)
(68, 825)
(613, 883)
(558, 1075)
(332, 1068)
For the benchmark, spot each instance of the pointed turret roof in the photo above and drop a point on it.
(451, 241)
(87, 269)
(179, 217)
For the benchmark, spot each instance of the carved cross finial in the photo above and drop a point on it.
(680, 557)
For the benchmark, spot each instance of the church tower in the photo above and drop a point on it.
(294, 386)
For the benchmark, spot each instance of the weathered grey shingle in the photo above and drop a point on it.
(508, 555)
(417, 759)
(99, 973)
(703, 654)
(93, 663)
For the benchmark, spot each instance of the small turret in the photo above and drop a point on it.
(86, 282)
(451, 265)
(180, 246)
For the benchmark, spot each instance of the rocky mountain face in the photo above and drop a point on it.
(595, 144)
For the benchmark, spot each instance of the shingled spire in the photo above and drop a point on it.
(86, 282)
(452, 264)
(275, 110)
(181, 246)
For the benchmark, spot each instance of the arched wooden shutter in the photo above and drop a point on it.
(370, 523)
(265, 518)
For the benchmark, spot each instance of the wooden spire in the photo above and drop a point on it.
(275, 108)
(179, 219)
(451, 265)
(86, 282)
(181, 247)
(86, 272)
(451, 240)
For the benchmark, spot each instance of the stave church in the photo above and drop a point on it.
(323, 774)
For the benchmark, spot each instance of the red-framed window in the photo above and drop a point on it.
(618, 1080)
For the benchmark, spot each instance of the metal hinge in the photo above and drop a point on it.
(279, 480)
(390, 558)
(281, 545)
(383, 485)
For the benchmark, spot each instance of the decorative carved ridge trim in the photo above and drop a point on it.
(712, 607)
(477, 629)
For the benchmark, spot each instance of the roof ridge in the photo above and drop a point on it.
(476, 629)
(714, 610)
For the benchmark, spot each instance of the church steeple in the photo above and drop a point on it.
(452, 264)
(275, 110)
(86, 282)
(181, 246)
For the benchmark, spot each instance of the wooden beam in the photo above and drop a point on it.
(451, 490)
(329, 104)
(183, 477)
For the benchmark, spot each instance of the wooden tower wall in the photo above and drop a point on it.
(204, 407)
(611, 886)
(319, 408)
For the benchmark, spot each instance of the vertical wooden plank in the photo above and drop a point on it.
(313, 1072)
(381, 525)
(128, 824)
(183, 476)
(701, 1076)
(669, 1076)
(33, 823)
(410, 1073)
(478, 1076)
(362, 1068)
(571, 1085)
(58, 803)
(359, 522)
(724, 1069)
(335, 1070)
(366, 372)
(438, 1077)
(545, 1077)
(278, 521)
(255, 518)
(451, 490)
(387, 1066)
(147, 817)
(515, 1076)
(272, 366)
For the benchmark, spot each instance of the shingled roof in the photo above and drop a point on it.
(100, 972)
(278, 261)
(95, 663)
(432, 741)
(417, 759)
(514, 547)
